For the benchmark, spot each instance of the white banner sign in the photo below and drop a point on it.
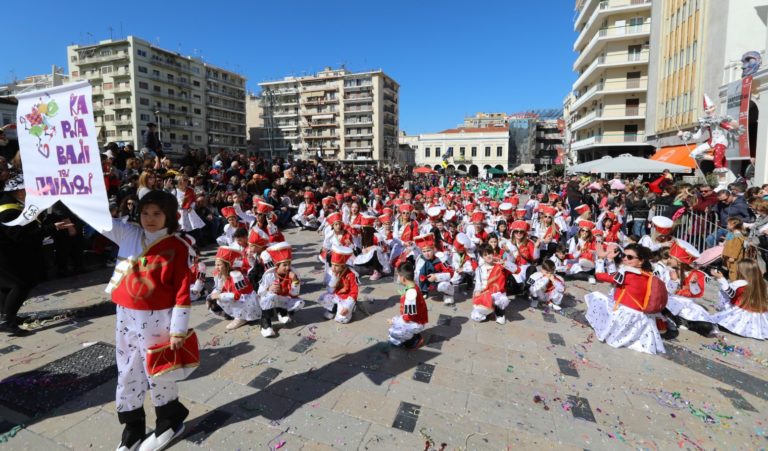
(60, 155)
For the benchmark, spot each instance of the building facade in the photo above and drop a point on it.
(546, 144)
(696, 47)
(607, 115)
(407, 147)
(470, 150)
(335, 114)
(135, 82)
(254, 123)
(57, 77)
(483, 120)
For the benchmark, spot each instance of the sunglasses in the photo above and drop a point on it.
(630, 257)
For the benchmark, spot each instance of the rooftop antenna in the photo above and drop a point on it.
(110, 32)
(121, 31)
(89, 35)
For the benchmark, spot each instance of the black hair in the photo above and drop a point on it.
(561, 248)
(485, 249)
(167, 203)
(240, 233)
(548, 265)
(643, 253)
(406, 271)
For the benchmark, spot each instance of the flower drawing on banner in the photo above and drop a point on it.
(39, 123)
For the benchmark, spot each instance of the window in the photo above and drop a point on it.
(474, 151)
(198, 111)
(693, 50)
(141, 52)
(171, 92)
(427, 152)
(109, 117)
(105, 52)
(184, 109)
(198, 138)
(499, 151)
(171, 106)
(156, 88)
(449, 152)
(107, 85)
(690, 106)
(685, 102)
(487, 151)
(155, 73)
(109, 102)
(173, 136)
(75, 73)
(144, 117)
(170, 77)
(106, 69)
(143, 85)
(185, 137)
(142, 69)
(437, 151)
(195, 83)
(73, 58)
(197, 97)
(462, 151)
(143, 101)
(110, 133)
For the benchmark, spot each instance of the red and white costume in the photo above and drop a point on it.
(462, 260)
(405, 326)
(736, 318)
(489, 292)
(683, 302)
(618, 320)
(189, 219)
(288, 295)
(150, 286)
(546, 290)
(437, 267)
(307, 214)
(227, 238)
(341, 295)
(237, 297)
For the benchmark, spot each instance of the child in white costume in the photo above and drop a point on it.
(341, 295)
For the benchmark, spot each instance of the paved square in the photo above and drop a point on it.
(541, 381)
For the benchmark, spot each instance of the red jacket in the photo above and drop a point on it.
(348, 287)
(159, 279)
(630, 290)
(421, 316)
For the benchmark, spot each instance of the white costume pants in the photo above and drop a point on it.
(135, 331)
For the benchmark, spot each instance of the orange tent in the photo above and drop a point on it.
(675, 155)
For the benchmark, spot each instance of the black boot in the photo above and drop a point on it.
(169, 426)
(135, 428)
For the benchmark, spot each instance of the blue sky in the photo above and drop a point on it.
(451, 58)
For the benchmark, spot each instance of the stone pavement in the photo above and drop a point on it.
(540, 381)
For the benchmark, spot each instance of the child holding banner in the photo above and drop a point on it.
(150, 286)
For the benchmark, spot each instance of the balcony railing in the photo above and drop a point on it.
(608, 87)
(628, 31)
(608, 139)
(617, 59)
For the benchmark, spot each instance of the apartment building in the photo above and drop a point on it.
(483, 120)
(607, 115)
(56, 77)
(470, 150)
(335, 114)
(546, 143)
(696, 46)
(135, 82)
(254, 122)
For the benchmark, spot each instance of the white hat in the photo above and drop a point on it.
(108, 154)
(662, 224)
(434, 212)
(708, 103)
(15, 183)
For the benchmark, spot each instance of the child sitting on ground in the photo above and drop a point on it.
(490, 287)
(405, 329)
(341, 296)
(546, 286)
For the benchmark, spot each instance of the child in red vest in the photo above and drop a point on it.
(546, 286)
(490, 287)
(405, 329)
(232, 291)
(432, 273)
(341, 296)
(279, 289)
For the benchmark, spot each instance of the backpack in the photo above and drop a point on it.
(655, 299)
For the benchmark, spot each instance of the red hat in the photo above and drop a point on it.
(435, 212)
(477, 217)
(228, 212)
(328, 201)
(586, 225)
(520, 213)
(229, 255)
(309, 195)
(611, 215)
(520, 225)
(662, 224)
(470, 207)
(461, 242)
(263, 207)
(377, 191)
(598, 232)
(547, 210)
(553, 197)
(540, 196)
(425, 241)
(392, 194)
(339, 198)
(333, 218)
(256, 199)
(385, 219)
(367, 221)
(387, 211)
(581, 209)
(397, 202)
(494, 204)
(405, 208)
(340, 255)
(684, 251)
(258, 237)
(515, 201)
(280, 252)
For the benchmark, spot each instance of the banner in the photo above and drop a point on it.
(737, 107)
(60, 156)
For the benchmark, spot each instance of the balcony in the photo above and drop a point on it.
(604, 8)
(358, 99)
(358, 87)
(120, 73)
(359, 110)
(122, 122)
(610, 87)
(359, 136)
(610, 113)
(611, 61)
(604, 35)
(617, 139)
(323, 87)
(320, 136)
(122, 90)
(320, 102)
(117, 56)
(358, 123)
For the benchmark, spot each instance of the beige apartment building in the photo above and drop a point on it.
(466, 149)
(135, 82)
(607, 113)
(334, 114)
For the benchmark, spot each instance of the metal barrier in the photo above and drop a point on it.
(691, 227)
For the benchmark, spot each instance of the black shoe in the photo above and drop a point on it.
(135, 429)
(13, 329)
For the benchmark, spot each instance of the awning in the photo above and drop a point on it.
(679, 155)
(629, 164)
(495, 171)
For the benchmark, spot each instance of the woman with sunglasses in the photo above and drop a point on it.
(621, 321)
(546, 230)
(581, 251)
(523, 251)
